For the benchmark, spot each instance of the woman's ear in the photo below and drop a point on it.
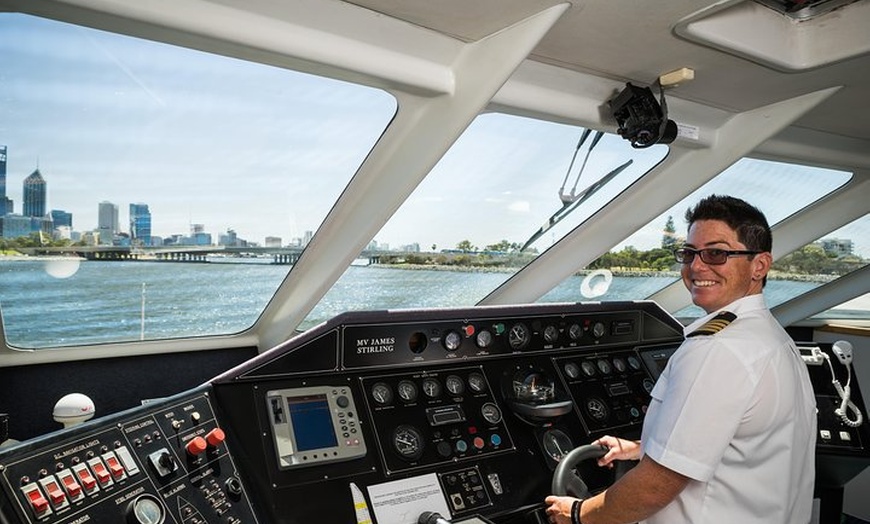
(761, 265)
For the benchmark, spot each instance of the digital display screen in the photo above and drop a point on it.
(657, 359)
(311, 422)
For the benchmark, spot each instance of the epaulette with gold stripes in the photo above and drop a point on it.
(714, 325)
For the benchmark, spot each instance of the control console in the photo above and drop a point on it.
(164, 463)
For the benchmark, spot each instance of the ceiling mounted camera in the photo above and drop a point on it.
(641, 119)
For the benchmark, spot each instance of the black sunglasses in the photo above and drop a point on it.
(712, 256)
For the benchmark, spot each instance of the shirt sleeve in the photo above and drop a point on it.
(698, 404)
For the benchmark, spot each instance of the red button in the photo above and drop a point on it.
(115, 467)
(196, 446)
(215, 437)
(478, 442)
(40, 505)
(101, 473)
(54, 493)
(72, 487)
(86, 478)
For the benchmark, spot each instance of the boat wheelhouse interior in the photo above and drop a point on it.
(370, 260)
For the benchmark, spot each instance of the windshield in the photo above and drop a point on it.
(188, 182)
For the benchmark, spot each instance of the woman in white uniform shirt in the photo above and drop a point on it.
(729, 436)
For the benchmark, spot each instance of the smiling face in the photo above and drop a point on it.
(715, 286)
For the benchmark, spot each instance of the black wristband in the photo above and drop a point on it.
(575, 511)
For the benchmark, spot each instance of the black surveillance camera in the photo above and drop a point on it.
(642, 121)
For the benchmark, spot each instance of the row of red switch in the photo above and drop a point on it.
(71, 485)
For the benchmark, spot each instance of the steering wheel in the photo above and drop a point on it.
(565, 480)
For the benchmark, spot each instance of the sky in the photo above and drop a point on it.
(209, 140)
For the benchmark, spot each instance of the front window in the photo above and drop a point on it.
(182, 184)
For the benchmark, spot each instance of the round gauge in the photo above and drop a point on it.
(454, 385)
(407, 390)
(604, 366)
(596, 408)
(533, 386)
(575, 331)
(519, 336)
(483, 338)
(588, 368)
(490, 413)
(598, 330)
(551, 334)
(147, 510)
(452, 340)
(432, 388)
(634, 362)
(382, 394)
(477, 383)
(572, 370)
(619, 364)
(408, 442)
(648, 385)
(557, 443)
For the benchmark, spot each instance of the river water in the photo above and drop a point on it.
(47, 304)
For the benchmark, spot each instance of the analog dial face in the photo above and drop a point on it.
(146, 510)
(604, 366)
(452, 341)
(455, 385)
(483, 338)
(557, 444)
(572, 370)
(551, 334)
(382, 394)
(648, 385)
(598, 330)
(575, 331)
(491, 413)
(408, 442)
(533, 386)
(596, 408)
(407, 391)
(477, 383)
(634, 363)
(619, 364)
(519, 336)
(588, 368)
(432, 388)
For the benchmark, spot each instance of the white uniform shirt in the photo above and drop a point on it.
(736, 413)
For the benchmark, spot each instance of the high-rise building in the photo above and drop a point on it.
(107, 222)
(61, 218)
(34, 195)
(5, 203)
(140, 224)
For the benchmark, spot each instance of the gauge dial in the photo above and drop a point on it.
(408, 442)
(557, 444)
(407, 391)
(572, 370)
(477, 383)
(452, 340)
(575, 331)
(619, 364)
(491, 413)
(519, 336)
(454, 385)
(604, 366)
(551, 334)
(598, 330)
(648, 385)
(147, 510)
(596, 408)
(382, 393)
(432, 388)
(588, 368)
(634, 363)
(483, 339)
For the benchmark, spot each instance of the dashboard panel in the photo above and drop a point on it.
(374, 417)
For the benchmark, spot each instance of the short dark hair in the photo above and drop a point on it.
(745, 219)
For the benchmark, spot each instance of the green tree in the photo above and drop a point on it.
(669, 238)
(465, 246)
(503, 246)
